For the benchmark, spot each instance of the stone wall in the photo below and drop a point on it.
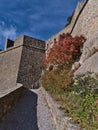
(10, 90)
(31, 65)
(20, 63)
(9, 64)
(8, 101)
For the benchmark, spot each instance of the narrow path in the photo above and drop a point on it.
(31, 113)
(45, 120)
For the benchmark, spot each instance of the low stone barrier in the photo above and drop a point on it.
(9, 100)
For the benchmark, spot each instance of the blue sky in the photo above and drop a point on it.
(37, 18)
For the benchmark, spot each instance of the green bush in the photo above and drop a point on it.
(82, 103)
(79, 101)
(58, 79)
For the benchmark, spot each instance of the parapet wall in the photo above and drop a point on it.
(7, 102)
(33, 42)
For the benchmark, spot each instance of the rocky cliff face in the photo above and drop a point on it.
(89, 58)
(87, 25)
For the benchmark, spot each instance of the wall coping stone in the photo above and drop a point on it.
(26, 36)
(8, 91)
(9, 49)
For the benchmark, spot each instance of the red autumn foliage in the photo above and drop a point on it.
(65, 51)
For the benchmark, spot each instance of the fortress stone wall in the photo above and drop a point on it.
(31, 61)
(21, 63)
(9, 64)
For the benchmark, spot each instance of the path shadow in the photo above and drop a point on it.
(24, 115)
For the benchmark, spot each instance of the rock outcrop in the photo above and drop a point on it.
(89, 58)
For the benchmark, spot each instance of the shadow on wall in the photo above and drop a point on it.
(24, 114)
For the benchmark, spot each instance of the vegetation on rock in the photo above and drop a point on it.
(69, 19)
(79, 100)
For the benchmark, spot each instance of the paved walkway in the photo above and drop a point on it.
(31, 113)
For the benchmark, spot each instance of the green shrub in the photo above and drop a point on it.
(82, 103)
(79, 101)
(58, 79)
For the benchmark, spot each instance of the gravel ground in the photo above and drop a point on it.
(31, 113)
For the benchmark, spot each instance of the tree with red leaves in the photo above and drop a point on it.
(66, 50)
